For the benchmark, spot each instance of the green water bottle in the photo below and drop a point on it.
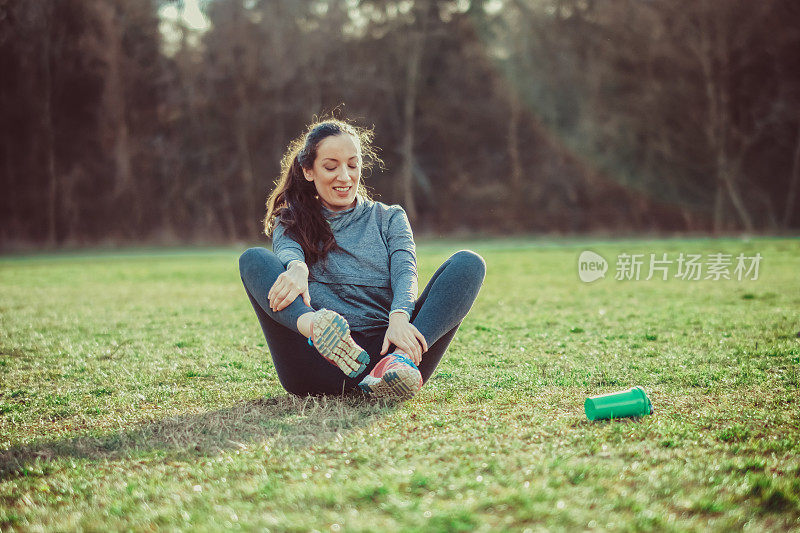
(633, 402)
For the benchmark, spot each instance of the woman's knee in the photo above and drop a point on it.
(471, 263)
(257, 259)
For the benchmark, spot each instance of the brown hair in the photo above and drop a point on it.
(294, 201)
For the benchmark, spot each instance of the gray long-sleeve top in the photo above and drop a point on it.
(378, 278)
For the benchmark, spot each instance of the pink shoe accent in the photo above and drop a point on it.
(395, 376)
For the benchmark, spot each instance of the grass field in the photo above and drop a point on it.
(136, 392)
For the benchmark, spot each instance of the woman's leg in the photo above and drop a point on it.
(259, 268)
(445, 302)
(301, 370)
(300, 367)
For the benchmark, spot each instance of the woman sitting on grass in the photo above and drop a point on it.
(342, 280)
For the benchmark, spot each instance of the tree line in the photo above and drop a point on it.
(492, 115)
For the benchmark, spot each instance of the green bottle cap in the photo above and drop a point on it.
(632, 402)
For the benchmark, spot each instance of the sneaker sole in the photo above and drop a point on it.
(401, 384)
(331, 343)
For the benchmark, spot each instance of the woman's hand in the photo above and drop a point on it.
(288, 286)
(405, 336)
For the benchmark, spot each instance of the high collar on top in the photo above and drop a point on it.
(340, 219)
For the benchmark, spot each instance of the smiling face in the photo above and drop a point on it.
(336, 172)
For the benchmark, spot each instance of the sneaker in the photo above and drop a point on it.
(395, 376)
(330, 335)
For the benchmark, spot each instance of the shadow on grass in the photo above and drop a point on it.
(282, 422)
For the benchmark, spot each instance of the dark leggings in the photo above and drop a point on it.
(301, 369)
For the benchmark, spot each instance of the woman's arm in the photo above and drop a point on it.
(293, 282)
(402, 262)
(403, 272)
(286, 248)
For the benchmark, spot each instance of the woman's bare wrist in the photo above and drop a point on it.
(296, 263)
(399, 313)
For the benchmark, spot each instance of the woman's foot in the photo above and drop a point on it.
(395, 376)
(330, 335)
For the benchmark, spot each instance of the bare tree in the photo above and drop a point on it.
(107, 45)
(45, 16)
(794, 181)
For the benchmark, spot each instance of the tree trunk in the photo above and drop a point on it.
(245, 161)
(729, 178)
(227, 218)
(47, 128)
(713, 55)
(114, 102)
(244, 71)
(517, 195)
(417, 45)
(10, 202)
(793, 182)
(719, 208)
